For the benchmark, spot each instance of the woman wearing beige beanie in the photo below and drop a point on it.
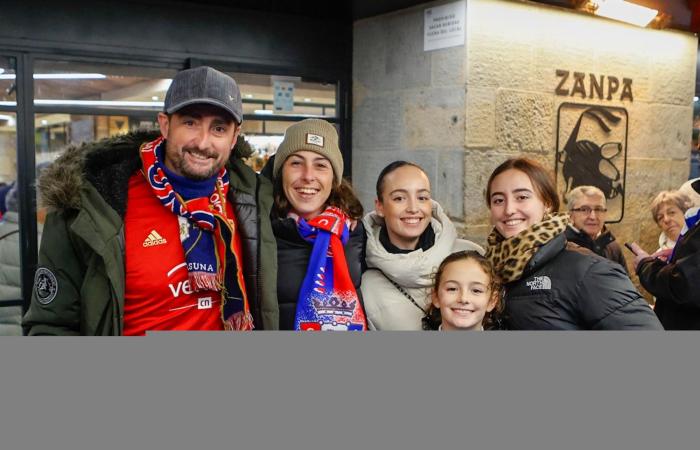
(319, 257)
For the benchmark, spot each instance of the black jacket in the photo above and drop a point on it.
(604, 245)
(566, 287)
(293, 254)
(676, 285)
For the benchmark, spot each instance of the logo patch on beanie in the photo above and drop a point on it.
(314, 139)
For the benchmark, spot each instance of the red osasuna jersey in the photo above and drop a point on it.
(158, 293)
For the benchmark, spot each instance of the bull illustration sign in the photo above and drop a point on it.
(595, 152)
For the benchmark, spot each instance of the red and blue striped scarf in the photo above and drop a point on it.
(204, 243)
(327, 298)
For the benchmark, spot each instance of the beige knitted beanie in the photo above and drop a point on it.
(314, 135)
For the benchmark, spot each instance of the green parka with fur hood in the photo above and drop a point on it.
(80, 283)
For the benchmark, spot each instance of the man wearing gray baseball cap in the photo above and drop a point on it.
(159, 232)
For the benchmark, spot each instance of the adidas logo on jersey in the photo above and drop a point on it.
(154, 239)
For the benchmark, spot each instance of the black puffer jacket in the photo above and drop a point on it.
(293, 254)
(604, 245)
(676, 285)
(566, 287)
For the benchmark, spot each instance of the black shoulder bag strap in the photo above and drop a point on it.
(8, 234)
(402, 290)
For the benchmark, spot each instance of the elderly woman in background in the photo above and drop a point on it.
(587, 212)
(318, 256)
(668, 209)
(674, 276)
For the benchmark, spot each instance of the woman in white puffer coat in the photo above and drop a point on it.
(408, 236)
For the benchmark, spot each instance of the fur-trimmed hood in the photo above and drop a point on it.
(107, 164)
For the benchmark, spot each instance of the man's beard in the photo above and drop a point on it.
(184, 169)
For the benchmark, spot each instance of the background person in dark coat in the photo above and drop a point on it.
(668, 210)
(675, 279)
(551, 284)
(587, 212)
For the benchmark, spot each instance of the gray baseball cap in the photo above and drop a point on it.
(204, 85)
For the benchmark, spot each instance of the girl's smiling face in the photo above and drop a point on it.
(464, 295)
(514, 203)
(405, 206)
(307, 180)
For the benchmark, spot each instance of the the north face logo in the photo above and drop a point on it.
(539, 283)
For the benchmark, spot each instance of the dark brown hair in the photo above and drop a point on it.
(540, 177)
(342, 196)
(492, 318)
(390, 168)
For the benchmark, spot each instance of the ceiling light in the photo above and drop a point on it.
(111, 103)
(696, 98)
(264, 112)
(307, 100)
(59, 76)
(44, 122)
(69, 76)
(621, 10)
(249, 96)
(127, 104)
(154, 98)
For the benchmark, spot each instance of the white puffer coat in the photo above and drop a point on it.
(386, 307)
(10, 285)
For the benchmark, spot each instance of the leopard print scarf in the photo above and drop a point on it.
(510, 256)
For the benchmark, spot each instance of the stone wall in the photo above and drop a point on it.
(461, 111)
(407, 104)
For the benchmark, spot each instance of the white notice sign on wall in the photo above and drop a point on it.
(445, 26)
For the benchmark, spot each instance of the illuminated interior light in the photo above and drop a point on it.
(307, 100)
(696, 98)
(625, 11)
(69, 76)
(99, 103)
(249, 96)
(264, 112)
(59, 76)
